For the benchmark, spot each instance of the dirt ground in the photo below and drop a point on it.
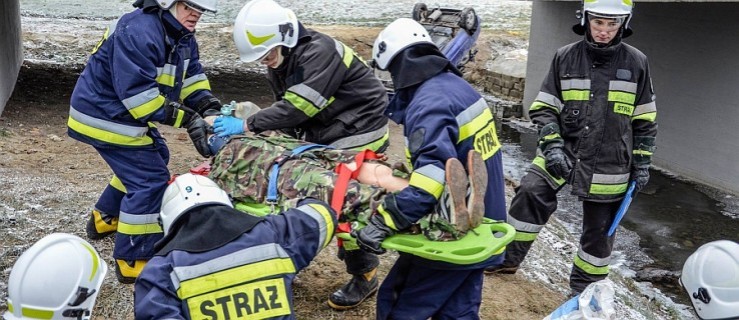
(51, 182)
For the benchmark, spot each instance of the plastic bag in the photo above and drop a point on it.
(594, 303)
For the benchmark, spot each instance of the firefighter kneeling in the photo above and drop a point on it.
(216, 262)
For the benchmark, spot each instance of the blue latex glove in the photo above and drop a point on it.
(227, 126)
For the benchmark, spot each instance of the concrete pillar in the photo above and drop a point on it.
(692, 49)
(11, 48)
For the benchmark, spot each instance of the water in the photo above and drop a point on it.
(672, 217)
(510, 15)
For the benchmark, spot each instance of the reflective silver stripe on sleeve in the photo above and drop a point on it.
(141, 98)
(194, 79)
(549, 99)
(323, 233)
(600, 178)
(598, 262)
(578, 84)
(339, 48)
(309, 94)
(122, 129)
(625, 86)
(168, 69)
(471, 112)
(433, 172)
(524, 226)
(645, 108)
(242, 257)
(360, 139)
(184, 69)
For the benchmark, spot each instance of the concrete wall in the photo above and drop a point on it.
(692, 49)
(11, 48)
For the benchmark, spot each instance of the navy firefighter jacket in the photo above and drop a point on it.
(143, 60)
(249, 277)
(442, 118)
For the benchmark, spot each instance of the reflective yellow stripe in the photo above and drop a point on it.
(427, 184)
(10, 307)
(552, 136)
(147, 108)
(117, 184)
(576, 95)
(388, 218)
(36, 313)
(541, 105)
(100, 43)
(200, 85)
(233, 276)
(608, 188)
(642, 152)
(329, 222)
(258, 300)
(95, 261)
(541, 163)
(166, 79)
(589, 268)
(138, 229)
(623, 97)
(107, 136)
(472, 127)
(650, 116)
(525, 236)
(348, 55)
(179, 118)
(302, 104)
(376, 145)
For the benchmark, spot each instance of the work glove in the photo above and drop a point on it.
(176, 115)
(557, 163)
(228, 126)
(197, 129)
(370, 237)
(207, 105)
(640, 175)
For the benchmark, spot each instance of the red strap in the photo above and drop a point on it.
(342, 183)
(202, 169)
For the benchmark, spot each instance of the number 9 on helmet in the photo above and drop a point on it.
(58, 277)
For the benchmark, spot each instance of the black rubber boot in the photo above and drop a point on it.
(352, 294)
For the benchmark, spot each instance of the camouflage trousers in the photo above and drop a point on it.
(242, 167)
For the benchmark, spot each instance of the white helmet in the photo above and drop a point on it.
(711, 278)
(58, 277)
(398, 35)
(262, 25)
(186, 192)
(608, 9)
(199, 5)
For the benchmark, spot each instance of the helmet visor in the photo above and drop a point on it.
(605, 21)
(194, 7)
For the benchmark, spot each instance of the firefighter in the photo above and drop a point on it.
(443, 118)
(596, 115)
(58, 277)
(145, 69)
(216, 262)
(325, 93)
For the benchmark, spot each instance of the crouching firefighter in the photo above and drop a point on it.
(145, 69)
(216, 262)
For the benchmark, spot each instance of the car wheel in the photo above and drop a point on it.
(468, 20)
(420, 11)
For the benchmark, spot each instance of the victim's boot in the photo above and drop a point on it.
(359, 288)
(454, 197)
(478, 176)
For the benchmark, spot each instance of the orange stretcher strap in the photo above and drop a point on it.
(342, 183)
